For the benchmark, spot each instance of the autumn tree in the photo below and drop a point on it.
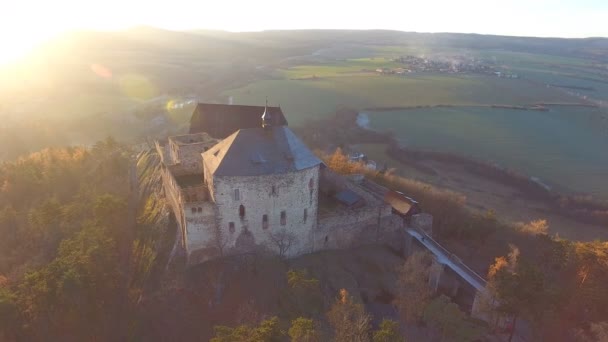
(413, 292)
(303, 295)
(340, 163)
(267, 331)
(349, 320)
(388, 332)
(303, 330)
(450, 321)
(518, 288)
(536, 227)
(76, 291)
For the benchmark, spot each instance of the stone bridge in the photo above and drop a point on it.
(449, 275)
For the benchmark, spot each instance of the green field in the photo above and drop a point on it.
(564, 146)
(302, 100)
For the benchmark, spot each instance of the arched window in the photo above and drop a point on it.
(242, 211)
(283, 218)
(265, 221)
(200, 210)
(193, 210)
(305, 214)
(231, 227)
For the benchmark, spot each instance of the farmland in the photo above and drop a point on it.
(311, 74)
(452, 112)
(314, 98)
(563, 146)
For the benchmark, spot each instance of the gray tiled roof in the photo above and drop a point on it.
(220, 120)
(258, 151)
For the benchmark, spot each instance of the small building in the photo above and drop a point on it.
(402, 205)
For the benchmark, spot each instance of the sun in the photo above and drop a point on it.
(16, 45)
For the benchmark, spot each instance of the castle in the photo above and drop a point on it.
(242, 181)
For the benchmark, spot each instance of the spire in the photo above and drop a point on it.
(266, 117)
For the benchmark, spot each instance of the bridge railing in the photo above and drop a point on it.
(455, 259)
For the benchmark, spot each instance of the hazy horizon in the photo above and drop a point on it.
(544, 18)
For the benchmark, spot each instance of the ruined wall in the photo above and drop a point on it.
(183, 201)
(292, 196)
(332, 183)
(359, 227)
(186, 150)
(162, 148)
(201, 236)
(195, 193)
(189, 156)
(345, 228)
(174, 197)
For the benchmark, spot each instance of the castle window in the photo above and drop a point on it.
(242, 211)
(200, 210)
(305, 214)
(193, 210)
(265, 221)
(274, 190)
(231, 227)
(283, 218)
(237, 195)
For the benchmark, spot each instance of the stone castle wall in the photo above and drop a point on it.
(205, 212)
(185, 203)
(347, 231)
(294, 193)
(344, 227)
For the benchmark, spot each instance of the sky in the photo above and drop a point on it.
(26, 23)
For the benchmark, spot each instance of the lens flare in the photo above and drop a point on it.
(101, 71)
(138, 87)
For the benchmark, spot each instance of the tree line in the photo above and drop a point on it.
(552, 283)
(72, 250)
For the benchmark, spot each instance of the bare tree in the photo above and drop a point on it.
(218, 239)
(283, 240)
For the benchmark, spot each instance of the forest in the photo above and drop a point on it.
(84, 256)
(76, 244)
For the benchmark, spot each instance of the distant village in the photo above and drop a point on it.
(455, 65)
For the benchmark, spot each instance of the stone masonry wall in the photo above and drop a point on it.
(348, 231)
(189, 156)
(293, 195)
(344, 228)
(174, 197)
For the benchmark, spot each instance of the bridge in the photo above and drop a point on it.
(444, 257)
